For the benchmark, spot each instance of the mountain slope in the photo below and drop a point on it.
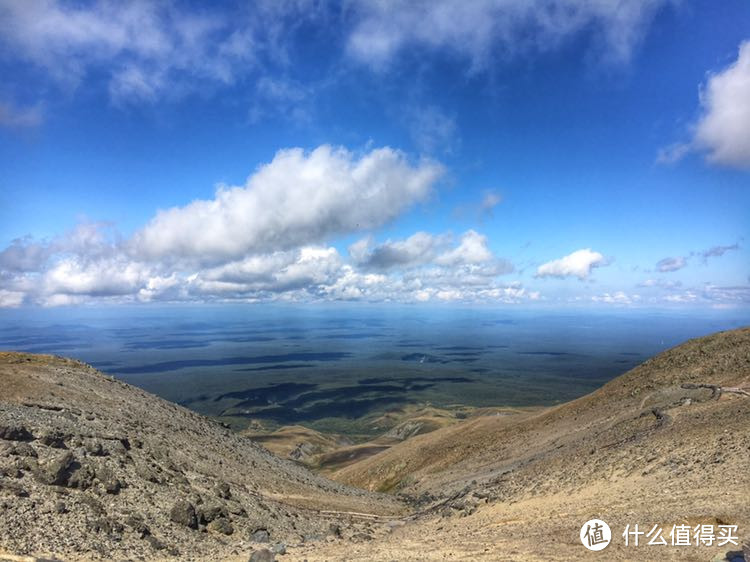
(649, 447)
(91, 465)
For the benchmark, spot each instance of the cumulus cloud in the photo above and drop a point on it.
(267, 240)
(423, 248)
(471, 250)
(297, 198)
(723, 130)
(305, 268)
(667, 265)
(24, 254)
(478, 29)
(146, 49)
(11, 299)
(104, 277)
(578, 264)
(418, 249)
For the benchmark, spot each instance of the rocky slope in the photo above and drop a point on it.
(91, 467)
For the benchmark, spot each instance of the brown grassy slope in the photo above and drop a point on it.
(326, 453)
(607, 419)
(641, 449)
(296, 442)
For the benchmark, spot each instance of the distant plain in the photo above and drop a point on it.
(330, 367)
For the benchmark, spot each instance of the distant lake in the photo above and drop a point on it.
(307, 363)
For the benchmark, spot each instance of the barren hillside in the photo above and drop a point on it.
(92, 466)
(653, 446)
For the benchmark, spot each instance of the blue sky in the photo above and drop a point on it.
(535, 152)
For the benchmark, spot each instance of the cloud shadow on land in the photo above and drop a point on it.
(185, 363)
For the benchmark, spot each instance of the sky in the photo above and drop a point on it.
(548, 153)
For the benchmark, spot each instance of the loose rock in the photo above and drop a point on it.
(183, 513)
(221, 525)
(262, 555)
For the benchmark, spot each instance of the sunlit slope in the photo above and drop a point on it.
(652, 446)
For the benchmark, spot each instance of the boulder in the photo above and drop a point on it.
(81, 475)
(23, 449)
(95, 448)
(208, 513)
(56, 471)
(262, 555)
(54, 438)
(183, 513)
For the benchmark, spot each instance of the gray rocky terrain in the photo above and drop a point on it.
(93, 468)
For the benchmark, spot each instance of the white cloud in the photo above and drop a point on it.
(296, 199)
(479, 28)
(146, 49)
(509, 294)
(618, 297)
(660, 283)
(738, 294)
(360, 250)
(420, 248)
(724, 128)
(578, 264)
(60, 300)
(470, 255)
(307, 268)
(682, 298)
(472, 249)
(11, 299)
(667, 265)
(104, 277)
(24, 254)
(161, 288)
(254, 242)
